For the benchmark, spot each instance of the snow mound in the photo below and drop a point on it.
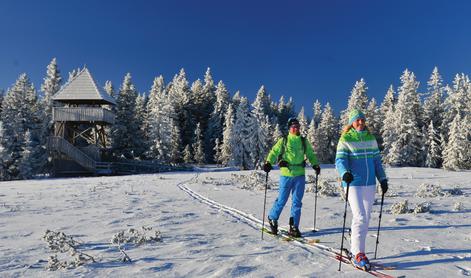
(422, 207)
(458, 206)
(400, 207)
(253, 181)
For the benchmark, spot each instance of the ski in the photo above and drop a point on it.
(283, 235)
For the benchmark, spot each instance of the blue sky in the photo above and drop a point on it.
(305, 49)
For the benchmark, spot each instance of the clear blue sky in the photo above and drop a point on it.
(305, 49)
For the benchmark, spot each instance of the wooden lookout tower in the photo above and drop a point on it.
(82, 115)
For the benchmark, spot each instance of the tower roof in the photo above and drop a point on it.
(83, 89)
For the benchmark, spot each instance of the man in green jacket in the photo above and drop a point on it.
(290, 153)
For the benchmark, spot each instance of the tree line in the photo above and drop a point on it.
(178, 122)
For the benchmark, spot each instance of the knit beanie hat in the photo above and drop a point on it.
(354, 115)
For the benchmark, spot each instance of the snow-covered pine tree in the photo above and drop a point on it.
(317, 112)
(198, 148)
(407, 149)
(261, 140)
(157, 121)
(433, 103)
(374, 120)
(303, 122)
(21, 113)
(285, 111)
(217, 151)
(187, 157)
(216, 121)
(277, 134)
(175, 143)
(180, 94)
(455, 151)
(228, 137)
(109, 88)
(3, 153)
(26, 160)
(456, 102)
(236, 101)
(142, 123)
(358, 100)
(73, 74)
(388, 118)
(328, 135)
(243, 147)
(126, 143)
(432, 145)
(51, 85)
(312, 136)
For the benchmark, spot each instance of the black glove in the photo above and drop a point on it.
(267, 167)
(384, 185)
(283, 163)
(317, 169)
(347, 177)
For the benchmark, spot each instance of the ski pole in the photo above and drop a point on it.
(379, 223)
(343, 228)
(264, 203)
(315, 205)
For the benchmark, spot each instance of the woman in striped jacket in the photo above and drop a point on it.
(358, 161)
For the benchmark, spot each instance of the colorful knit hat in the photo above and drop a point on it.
(354, 115)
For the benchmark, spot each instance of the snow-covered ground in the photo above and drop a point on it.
(204, 239)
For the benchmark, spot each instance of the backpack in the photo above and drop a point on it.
(283, 150)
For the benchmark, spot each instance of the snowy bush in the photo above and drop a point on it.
(400, 207)
(458, 206)
(310, 179)
(325, 188)
(422, 207)
(213, 181)
(59, 242)
(254, 181)
(429, 190)
(135, 237)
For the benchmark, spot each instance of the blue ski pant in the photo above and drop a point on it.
(295, 186)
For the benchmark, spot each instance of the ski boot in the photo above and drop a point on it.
(361, 261)
(293, 230)
(273, 226)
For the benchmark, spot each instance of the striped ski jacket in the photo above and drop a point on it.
(357, 151)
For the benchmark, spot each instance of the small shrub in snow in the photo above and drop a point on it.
(136, 237)
(458, 206)
(400, 207)
(253, 181)
(324, 188)
(422, 207)
(59, 242)
(429, 190)
(310, 179)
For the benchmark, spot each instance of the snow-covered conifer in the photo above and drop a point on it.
(407, 148)
(51, 85)
(26, 160)
(180, 94)
(109, 88)
(358, 100)
(228, 137)
(21, 112)
(312, 136)
(374, 119)
(198, 148)
(175, 143)
(217, 151)
(261, 139)
(216, 120)
(303, 122)
(317, 113)
(433, 103)
(328, 135)
(236, 100)
(243, 140)
(455, 151)
(277, 134)
(125, 141)
(432, 145)
(456, 102)
(187, 157)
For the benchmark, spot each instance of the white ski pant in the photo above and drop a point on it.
(361, 199)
